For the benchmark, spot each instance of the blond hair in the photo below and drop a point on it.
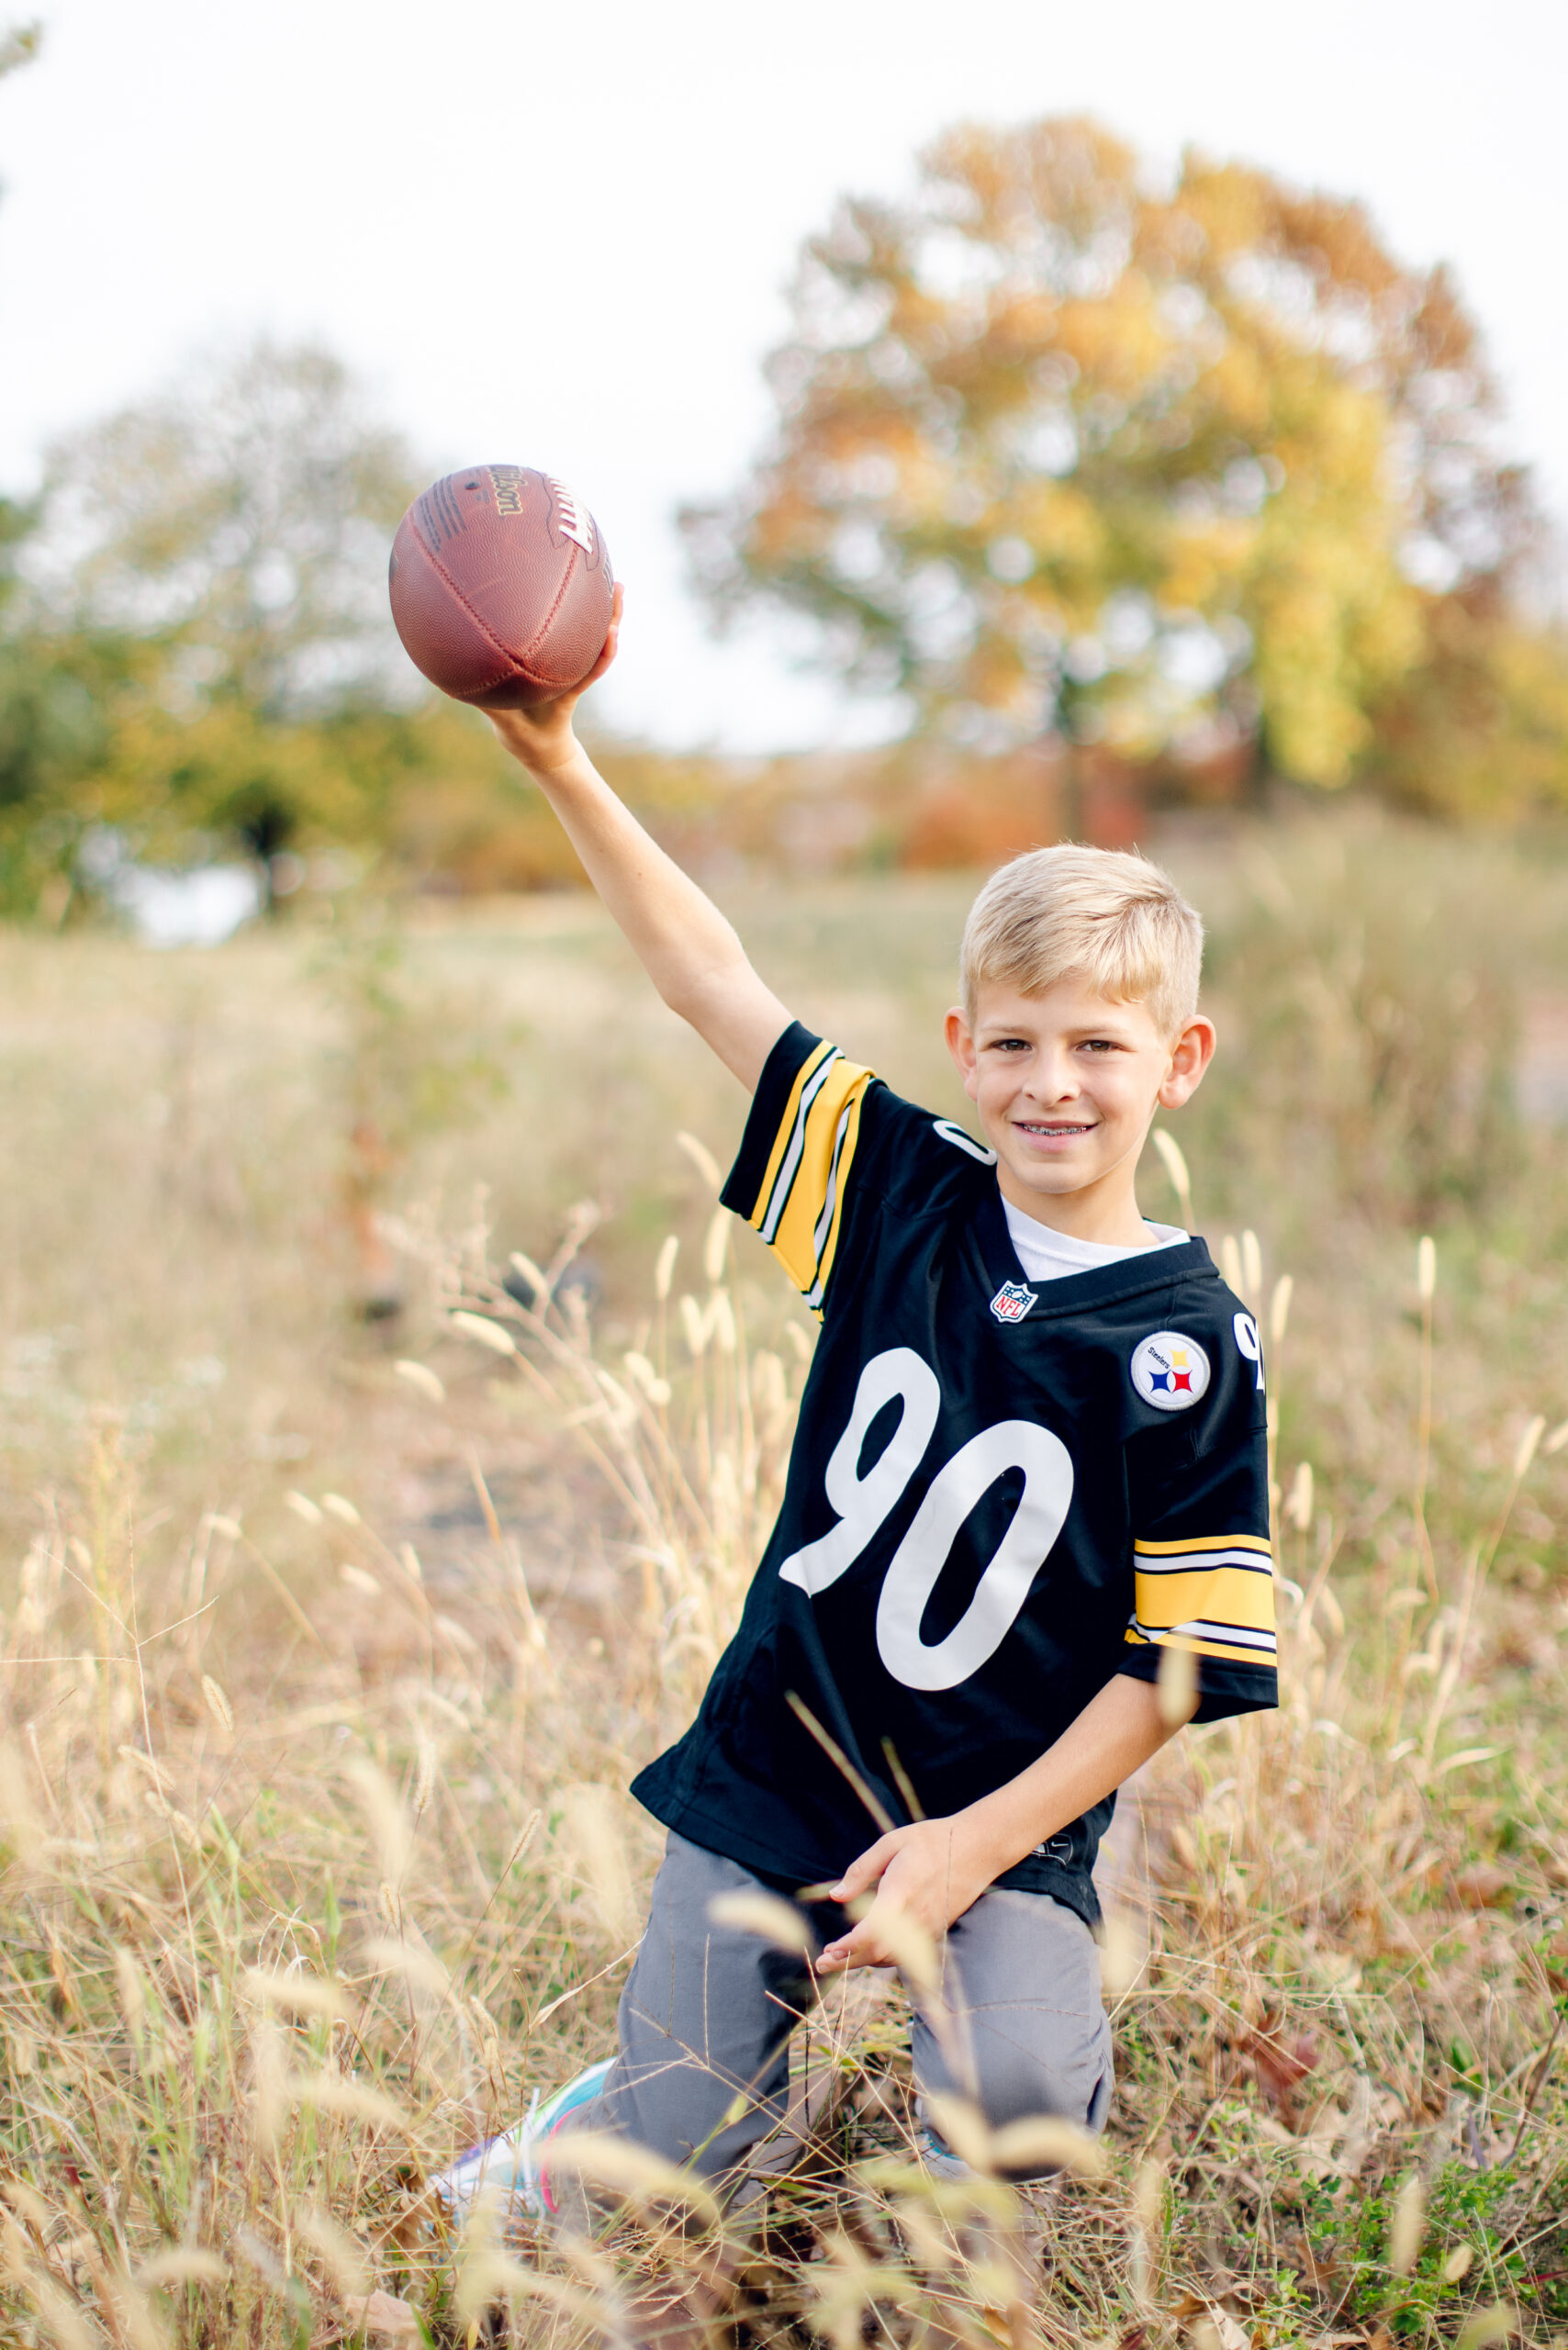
(1111, 919)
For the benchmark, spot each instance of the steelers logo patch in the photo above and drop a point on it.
(1170, 1371)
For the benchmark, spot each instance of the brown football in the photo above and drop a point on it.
(501, 587)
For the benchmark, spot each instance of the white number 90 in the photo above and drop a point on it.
(864, 1504)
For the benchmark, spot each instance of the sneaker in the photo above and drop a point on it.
(939, 2159)
(507, 2168)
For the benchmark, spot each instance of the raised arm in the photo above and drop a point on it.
(689, 950)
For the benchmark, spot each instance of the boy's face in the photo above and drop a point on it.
(1067, 1083)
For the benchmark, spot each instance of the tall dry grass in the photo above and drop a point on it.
(317, 1857)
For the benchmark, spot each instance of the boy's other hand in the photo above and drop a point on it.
(928, 1872)
(542, 736)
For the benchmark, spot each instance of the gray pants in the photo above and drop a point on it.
(708, 2009)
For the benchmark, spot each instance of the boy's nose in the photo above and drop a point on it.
(1052, 1081)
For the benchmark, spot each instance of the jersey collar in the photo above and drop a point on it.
(1100, 1285)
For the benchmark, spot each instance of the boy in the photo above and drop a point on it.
(1030, 1457)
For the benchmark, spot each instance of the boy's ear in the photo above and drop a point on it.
(961, 1044)
(1190, 1056)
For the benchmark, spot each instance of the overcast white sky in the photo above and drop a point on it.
(560, 235)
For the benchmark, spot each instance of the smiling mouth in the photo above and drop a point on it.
(1056, 1131)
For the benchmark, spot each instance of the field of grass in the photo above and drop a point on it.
(332, 1636)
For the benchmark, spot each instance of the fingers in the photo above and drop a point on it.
(864, 1872)
(611, 641)
(527, 731)
(862, 1947)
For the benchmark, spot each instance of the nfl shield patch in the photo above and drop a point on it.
(1011, 1302)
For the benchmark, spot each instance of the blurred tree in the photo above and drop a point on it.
(196, 648)
(242, 521)
(51, 727)
(1480, 727)
(18, 45)
(1059, 451)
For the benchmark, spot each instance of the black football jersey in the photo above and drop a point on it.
(999, 1494)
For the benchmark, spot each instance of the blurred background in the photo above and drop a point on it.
(1156, 441)
(1010, 424)
(1115, 425)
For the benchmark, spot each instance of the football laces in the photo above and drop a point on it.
(576, 522)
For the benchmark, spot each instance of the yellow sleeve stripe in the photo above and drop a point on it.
(1218, 1595)
(800, 1205)
(1204, 1543)
(811, 1075)
(1216, 1598)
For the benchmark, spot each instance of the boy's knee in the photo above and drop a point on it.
(1016, 2085)
(1011, 2085)
(1027, 2034)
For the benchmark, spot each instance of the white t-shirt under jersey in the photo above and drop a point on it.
(1047, 1255)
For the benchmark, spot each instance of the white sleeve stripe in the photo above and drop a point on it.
(824, 1221)
(1197, 1562)
(783, 1181)
(1230, 1636)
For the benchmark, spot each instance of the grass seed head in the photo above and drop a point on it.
(343, 2258)
(1124, 1954)
(1494, 2323)
(350, 2100)
(1280, 1308)
(217, 1704)
(420, 1967)
(1173, 1160)
(962, 2126)
(385, 1815)
(1407, 2226)
(1251, 1270)
(420, 1376)
(1177, 1684)
(530, 1272)
(486, 1333)
(629, 2171)
(716, 1246)
(765, 1915)
(592, 1835)
(1045, 2142)
(1148, 2198)
(296, 1992)
(695, 1325)
(1526, 1449)
(182, 2265)
(1298, 1501)
(18, 1812)
(702, 1158)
